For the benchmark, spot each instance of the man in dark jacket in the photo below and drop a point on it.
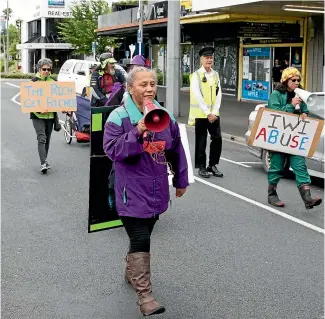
(103, 79)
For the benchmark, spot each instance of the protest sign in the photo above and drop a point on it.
(285, 132)
(184, 139)
(51, 96)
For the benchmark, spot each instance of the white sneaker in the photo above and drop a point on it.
(47, 165)
(44, 168)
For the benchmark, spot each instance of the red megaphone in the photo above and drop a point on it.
(155, 119)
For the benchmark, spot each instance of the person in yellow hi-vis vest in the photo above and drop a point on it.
(205, 100)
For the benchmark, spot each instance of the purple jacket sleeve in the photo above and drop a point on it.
(119, 145)
(177, 158)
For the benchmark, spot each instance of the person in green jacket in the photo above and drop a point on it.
(43, 122)
(283, 99)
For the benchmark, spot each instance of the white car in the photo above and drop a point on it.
(315, 164)
(76, 71)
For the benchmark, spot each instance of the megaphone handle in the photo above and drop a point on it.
(297, 107)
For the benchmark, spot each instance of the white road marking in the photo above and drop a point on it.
(14, 85)
(62, 122)
(257, 163)
(270, 209)
(237, 163)
(13, 99)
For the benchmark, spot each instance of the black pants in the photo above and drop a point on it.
(139, 231)
(202, 127)
(43, 129)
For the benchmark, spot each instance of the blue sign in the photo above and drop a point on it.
(255, 90)
(257, 52)
(55, 3)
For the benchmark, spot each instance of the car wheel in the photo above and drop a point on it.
(266, 159)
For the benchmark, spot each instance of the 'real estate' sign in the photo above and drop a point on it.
(48, 96)
(285, 132)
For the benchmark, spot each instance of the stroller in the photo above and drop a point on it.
(77, 124)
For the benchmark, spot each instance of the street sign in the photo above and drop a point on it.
(139, 36)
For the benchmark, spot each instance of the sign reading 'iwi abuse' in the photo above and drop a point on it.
(48, 96)
(285, 132)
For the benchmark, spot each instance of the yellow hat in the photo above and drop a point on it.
(289, 73)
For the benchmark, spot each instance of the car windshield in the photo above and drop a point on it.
(318, 107)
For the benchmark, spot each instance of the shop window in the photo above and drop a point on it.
(256, 73)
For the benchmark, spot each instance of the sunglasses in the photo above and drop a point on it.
(296, 80)
(44, 69)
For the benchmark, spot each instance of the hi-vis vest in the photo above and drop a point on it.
(209, 95)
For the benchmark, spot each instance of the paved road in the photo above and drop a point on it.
(218, 253)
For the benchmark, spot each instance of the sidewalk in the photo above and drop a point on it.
(233, 114)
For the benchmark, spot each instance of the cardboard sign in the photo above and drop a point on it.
(285, 132)
(48, 96)
(184, 139)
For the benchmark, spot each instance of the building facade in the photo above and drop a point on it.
(40, 37)
(248, 36)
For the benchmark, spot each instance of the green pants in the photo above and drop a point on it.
(297, 163)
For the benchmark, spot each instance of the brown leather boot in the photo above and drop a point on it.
(128, 274)
(140, 270)
(273, 197)
(306, 197)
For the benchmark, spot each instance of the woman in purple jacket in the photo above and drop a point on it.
(141, 178)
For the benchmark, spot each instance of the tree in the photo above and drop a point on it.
(7, 14)
(80, 29)
(13, 40)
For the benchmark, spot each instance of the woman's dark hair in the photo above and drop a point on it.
(282, 87)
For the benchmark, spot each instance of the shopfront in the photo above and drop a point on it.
(257, 57)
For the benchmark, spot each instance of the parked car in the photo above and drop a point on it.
(315, 164)
(77, 71)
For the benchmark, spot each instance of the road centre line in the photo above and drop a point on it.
(14, 85)
(270, 209)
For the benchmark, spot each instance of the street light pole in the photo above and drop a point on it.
(173, 57)
(140, 31)
(7, 60)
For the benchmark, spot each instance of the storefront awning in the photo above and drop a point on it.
(130, 29)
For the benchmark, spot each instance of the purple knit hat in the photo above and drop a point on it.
(138, 60)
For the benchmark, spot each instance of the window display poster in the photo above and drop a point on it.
(256, 90)
(256, 64)
(225, 61)
(296, 57)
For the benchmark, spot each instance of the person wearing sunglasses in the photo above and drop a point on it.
(43, 122)
(283, 99)
(205, 101)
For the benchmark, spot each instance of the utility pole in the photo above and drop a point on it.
(7, 60)
(173, 57)
(140, 30)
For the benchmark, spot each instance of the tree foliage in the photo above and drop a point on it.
(80, 29)
(7, 14)
(13, 40)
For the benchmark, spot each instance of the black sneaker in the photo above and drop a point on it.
(204, 173)
(214, 171)
(44, 168)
